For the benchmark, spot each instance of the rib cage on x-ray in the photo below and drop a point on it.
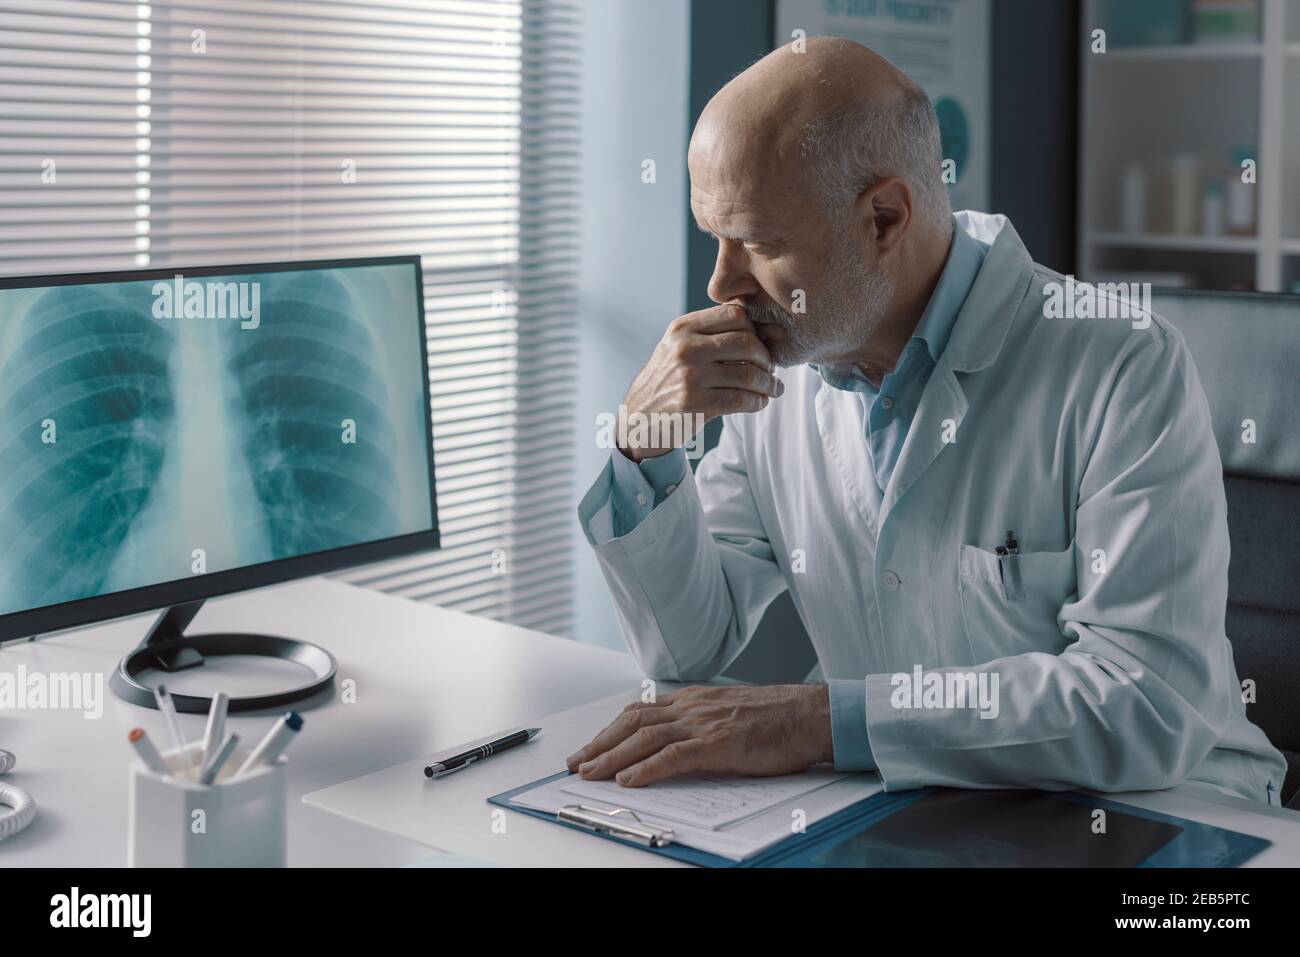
(99, 370)
(269, 405)
(294, 391)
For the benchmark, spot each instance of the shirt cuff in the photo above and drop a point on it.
(849, 740)
(663, 472)
(635, 490)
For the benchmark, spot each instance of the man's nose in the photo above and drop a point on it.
(731, 277)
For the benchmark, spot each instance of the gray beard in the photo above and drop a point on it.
(845, 315)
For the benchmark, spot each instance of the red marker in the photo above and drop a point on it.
(148, 753)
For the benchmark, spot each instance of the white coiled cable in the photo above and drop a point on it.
(24, 808)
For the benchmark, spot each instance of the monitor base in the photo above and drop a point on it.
(167, 648)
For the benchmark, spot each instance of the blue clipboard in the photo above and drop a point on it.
(835, 840)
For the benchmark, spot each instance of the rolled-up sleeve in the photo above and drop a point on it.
(626, 493)
(691, 571)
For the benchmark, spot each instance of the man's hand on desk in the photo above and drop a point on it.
(755, 730)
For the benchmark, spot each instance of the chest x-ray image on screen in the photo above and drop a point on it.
(176, 428)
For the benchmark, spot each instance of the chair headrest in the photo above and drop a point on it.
(1246, 347)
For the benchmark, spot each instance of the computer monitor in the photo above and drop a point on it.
(171, 435)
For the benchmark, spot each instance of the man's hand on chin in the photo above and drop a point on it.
(763, 730)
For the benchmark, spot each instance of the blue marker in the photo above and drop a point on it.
(273, 745)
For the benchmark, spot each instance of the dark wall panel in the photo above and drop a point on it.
(1035, 71)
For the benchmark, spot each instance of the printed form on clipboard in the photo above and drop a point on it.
(730, 816)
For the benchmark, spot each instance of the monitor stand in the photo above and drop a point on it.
(167, 648)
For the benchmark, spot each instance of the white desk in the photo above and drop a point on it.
(426, 679)
(451, 814)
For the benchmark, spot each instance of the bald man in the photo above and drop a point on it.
(933, 401)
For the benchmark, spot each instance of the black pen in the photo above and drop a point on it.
(466, 758)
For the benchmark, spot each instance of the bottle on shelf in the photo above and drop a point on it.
(1240, 199)
(1212, 208)
(1133, 199)
(1185, 192)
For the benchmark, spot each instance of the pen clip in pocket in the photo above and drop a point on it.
(1009, 568)
(1009, 565)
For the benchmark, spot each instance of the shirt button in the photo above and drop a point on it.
(890, 580)
(640, 499)
(886, 403)
(670, 489)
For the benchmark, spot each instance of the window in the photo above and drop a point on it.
(204, 132)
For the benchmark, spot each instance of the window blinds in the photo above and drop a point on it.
(183, 133)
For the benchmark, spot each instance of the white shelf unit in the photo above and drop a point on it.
(1223, 244)
(1189, 51)
(1150, 104)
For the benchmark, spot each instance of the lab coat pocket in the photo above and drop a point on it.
(1010, 606)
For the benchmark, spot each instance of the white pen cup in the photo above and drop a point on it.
(234, 822)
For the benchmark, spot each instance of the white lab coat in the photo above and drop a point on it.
(1091, 440)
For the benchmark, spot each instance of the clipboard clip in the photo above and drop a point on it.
(603, 822)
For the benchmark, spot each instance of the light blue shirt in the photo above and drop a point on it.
(889, 410)
(887, 415)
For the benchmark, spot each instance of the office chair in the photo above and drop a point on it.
(1247, 352)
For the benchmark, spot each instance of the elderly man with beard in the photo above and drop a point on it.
(950, 483)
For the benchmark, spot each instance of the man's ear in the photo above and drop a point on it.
(885, 210)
